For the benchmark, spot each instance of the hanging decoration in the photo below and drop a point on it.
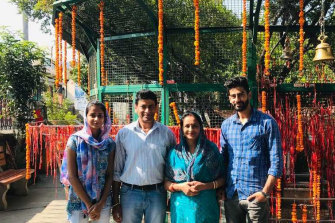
(264, 101)
(156, 116)
(160, 43)
(197, 33)
(73, 25)
(79, 75)
(57, 52)
(294, 213)
(267, 38)
(278, 199)
(301, 37)
(65, 63)
(28, 145)
(323, 51)
(173, 105)
(60, 39)
(102, 45)
(300, 135)
(244, 39)
(107, 107)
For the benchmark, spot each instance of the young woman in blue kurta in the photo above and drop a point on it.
(194, 170)
(87, 167)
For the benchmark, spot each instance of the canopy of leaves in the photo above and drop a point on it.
(21, 75)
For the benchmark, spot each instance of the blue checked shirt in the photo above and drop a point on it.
(252, 152)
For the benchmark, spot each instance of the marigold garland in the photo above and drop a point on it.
(73, 25)
(102, 45)
(264, 101)
(156, 116)
(244, 39)
(160, 42)
(79, 77)
(60, 27)
(300, 143)
(28, 143)
(173, 105)
(267, 38)
(107, 107)
(278, 199)
(294, 213)
(301, 37)
(65, 63)
(196, 31)
(57, 52)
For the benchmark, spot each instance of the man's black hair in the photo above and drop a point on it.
(145, 95)
(237, 82)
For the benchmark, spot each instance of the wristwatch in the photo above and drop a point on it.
(267, 196)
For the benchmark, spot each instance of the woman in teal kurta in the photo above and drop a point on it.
(194, 170)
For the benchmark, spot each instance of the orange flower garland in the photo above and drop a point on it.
(175, 112)
(300, 143)
(102, 45)
(196, 31)
(65, 63)
(263, 101)
(56, 53)
(267, 38)
(294, 213)
(301, 38)
(60, 38)
(73, 25)
(107, 107)
(304, 214)
(278, 199)
(160, 42)
(28, 142)
(79, 80)
(156, 116)
(244, 38)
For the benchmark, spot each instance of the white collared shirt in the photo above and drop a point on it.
(140, 156)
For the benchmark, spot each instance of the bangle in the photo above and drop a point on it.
(214, 184)
(115, 205)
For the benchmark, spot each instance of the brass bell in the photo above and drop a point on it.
(287, 53)
(323, 51)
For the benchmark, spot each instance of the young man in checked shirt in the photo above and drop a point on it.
(251, 147)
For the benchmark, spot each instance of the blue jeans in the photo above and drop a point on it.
(136, 203)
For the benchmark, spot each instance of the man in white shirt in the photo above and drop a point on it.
(139, 165)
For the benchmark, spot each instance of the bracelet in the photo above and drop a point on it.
(115, 205)
(214, 184)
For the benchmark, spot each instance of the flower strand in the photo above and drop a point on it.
(173, 105)
(301, 37)
(267, 38)
(102, 45)
(57, 52)
(73, 25)
(196, 31)
(160, 43)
